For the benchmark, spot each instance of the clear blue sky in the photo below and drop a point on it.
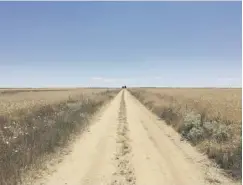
(114, 43)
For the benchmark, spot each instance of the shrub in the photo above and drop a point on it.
(191, 129)
(195, 135)
(190, 120)
(221, 133)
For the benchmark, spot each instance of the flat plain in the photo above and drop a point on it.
(128, 136)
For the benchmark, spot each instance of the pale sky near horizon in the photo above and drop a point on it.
(172, 44)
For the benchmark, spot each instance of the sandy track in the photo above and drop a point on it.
(128, 145)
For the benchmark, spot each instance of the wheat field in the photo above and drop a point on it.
(12, 100)
(224, 103)
(34, 122)
(209, 118)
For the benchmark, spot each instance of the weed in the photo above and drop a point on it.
(209, 118)
(27, 136)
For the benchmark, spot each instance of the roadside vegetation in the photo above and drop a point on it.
(209, 119)
(34, 123)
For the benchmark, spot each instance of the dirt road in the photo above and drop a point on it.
(128, 145)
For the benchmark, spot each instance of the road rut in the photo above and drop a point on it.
(128, 145)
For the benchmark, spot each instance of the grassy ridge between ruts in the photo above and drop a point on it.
(26, 136)
(209, 119)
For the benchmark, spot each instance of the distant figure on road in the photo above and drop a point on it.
(124, 87)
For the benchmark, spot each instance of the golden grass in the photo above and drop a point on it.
(26, 100)
(210, 118)
(33, 124)
(223, 103)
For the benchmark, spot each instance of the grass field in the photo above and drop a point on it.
(211, 119)
(33, 122)
(14, 100)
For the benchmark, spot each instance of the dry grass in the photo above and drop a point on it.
(209, 118)
(35, 123)
(26, 100)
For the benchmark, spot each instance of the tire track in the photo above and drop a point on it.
(125, 171)
(91, 160)
(125, 146)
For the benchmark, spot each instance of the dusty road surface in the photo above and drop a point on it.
(128, 145)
